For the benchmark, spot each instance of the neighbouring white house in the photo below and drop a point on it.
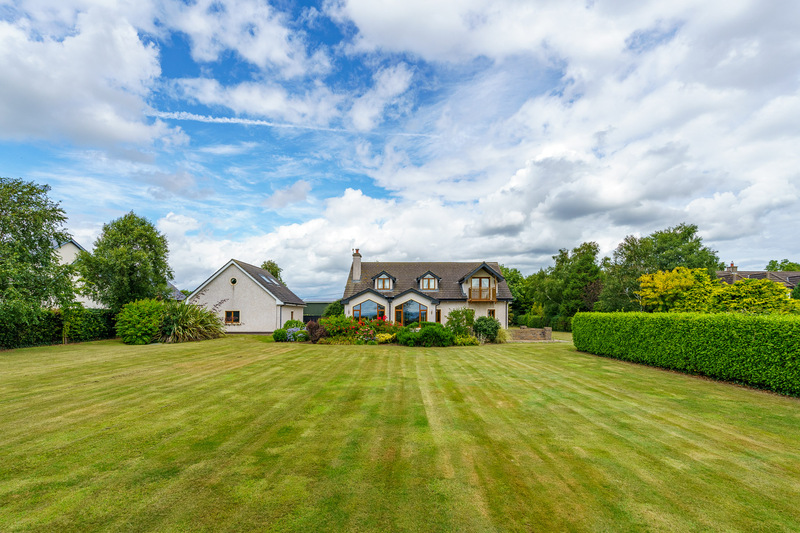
(425, 291)
(248, 299)
(68, 253)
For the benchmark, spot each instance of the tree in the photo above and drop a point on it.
(569, 286)
(681, 289)
(661, 250)
(272, 267)
(129, 263)
(334, 309)
(784, 266)
(516, 284)
(31, 227)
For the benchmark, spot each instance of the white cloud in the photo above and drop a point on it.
(389, 84)
(291, 195)
(87, 82)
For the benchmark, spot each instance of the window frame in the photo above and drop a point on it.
(383, 283)
(430, 281)
(491, 313)
(232, 317)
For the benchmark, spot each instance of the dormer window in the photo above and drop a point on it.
(384, 283)
(428, 283)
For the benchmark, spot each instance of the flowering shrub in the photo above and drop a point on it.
(296, 335)
(340, 326)
(365, 332)
(385, 338)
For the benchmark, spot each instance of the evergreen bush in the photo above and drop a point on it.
(280, 335)
(460, 321)
(139, 322)
(433, 334)
(486, 328)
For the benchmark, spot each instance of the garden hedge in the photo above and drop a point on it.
(24, 325)
(758, 350)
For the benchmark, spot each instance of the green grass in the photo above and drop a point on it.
(238, 434)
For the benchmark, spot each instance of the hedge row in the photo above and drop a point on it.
(758, 350)
(22, 325)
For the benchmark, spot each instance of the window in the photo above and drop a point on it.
(413, 312)
(292, 317)
(233, 281)
(490, 313)
(231, 317)
(439, 316)
(479, 289)
(368, 309)
(384, 283)
(428, 283)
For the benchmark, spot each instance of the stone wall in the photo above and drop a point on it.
(531, 334)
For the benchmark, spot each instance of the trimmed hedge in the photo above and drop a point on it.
(762, 351)
(24, 325)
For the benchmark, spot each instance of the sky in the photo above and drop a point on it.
(454, 130)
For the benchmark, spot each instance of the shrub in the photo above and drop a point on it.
(502, 336)
(23, 324)
(183, 322)
(536, 321)
(294, 324)
(339, 325)
(757, 350)
(296, 334)
(139, 322)
(433, 334)
(486, 328)
(385, 338)
(280, 335)
(82, 324)
(408, 337)
(315, 331)
(460, 321)
(561, 323)
(466, 340)
(334, 309)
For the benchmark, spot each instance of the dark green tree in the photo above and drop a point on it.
(272, 267)
(571, 285)
(31, 228)
(129, 263)
(661, 250)
(516, 283)
(334, 309)
(783, 266)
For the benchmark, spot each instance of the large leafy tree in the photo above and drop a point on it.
(783, 266)
(661, 250)
(571, 285)
(516, 284)
(272, 267)
(31, 228)
(129, 263)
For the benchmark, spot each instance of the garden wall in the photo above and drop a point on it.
(758, 350)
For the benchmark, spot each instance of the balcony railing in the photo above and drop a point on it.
(484, 294)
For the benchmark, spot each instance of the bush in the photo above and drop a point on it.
(385, 338)
(466, 340)
(757, 350)
(433, 334)
(22, 324)
(339, 325)
(315, 331)
(294, 324)
(280, 335)
(460, 321)
(408, 337)
(486, 328)
(502, 336)
(182, 322)
(536, 321)
(297, 334)
(139, 322)
(561, 323)
(82, 325)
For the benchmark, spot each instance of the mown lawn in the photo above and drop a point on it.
(238, 434)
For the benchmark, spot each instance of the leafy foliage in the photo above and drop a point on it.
(572, 285)
(182, 322)
(466, 340)
(272, 267)
(87, 324)
(784, 265)
(334, 309)
(30, 226)
(139, 322)
(460, 321)
(315, 331)
(433, 334)
(516, 284)
(758, 350)
(294, 324)
(662, 250)
(280, 335)
(129, 263)
(486, 328)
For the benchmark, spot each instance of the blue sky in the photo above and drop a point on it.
(414, 130)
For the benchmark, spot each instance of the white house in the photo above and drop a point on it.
(248, 299)
(68, 253)
(425, 291)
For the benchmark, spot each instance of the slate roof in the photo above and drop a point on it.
(406, 274)
(175, 293)
(788, 279)
(270, 282)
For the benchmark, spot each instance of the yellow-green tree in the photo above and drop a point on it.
(681, 289)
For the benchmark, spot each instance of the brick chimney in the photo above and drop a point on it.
(732, 268)
(356, 266)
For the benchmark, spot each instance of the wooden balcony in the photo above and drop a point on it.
(483, 295)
